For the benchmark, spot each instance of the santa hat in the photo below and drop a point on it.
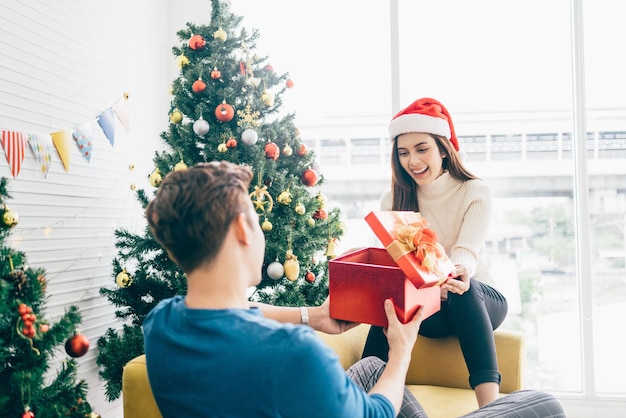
(424, 115)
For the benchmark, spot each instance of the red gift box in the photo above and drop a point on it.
(360, 281)
(408, 270)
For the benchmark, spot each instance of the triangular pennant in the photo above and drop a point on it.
(107, 123)
(41, 145)
(14, 145)
(121, 110)
(61, 141)
(82, 136)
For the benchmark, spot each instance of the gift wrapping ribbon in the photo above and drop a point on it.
(419, 239)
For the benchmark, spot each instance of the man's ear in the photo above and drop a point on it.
(240, 223)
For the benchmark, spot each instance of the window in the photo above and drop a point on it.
(505, 72)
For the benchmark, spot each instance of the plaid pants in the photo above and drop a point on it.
(520, 404)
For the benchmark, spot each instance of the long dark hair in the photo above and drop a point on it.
(403, 186)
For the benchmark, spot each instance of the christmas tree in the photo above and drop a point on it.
(28, 339)
(226, 106)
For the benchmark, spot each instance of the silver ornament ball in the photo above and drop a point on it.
(275, 270)
(201, 127)
(249, 136)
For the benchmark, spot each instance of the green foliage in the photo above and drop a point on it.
(529, 285)
(115, 350)
(553, 234)
(251, 86)
(24, 354)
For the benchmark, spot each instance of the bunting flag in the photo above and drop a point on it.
(41, 145)
(61, 141)
(82, 136)
(121, 110)
(107, 123)
(14, 145)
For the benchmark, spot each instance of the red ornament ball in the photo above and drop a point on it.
(224, 112)
(310, 277)
(301, 150)
(231, 143)
(272, 151)
(309, 177)
(289, 83)
(77, 345)
(215, 74)
(198, 86)
(320, 215)
(28, 414)
(196, 42)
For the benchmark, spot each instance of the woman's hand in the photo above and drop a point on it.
(458, 282)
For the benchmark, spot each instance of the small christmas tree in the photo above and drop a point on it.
(226, 106)
(28, 339)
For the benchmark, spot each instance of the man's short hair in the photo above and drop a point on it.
(193, 210)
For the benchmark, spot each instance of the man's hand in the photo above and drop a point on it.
(320, 320)
(401, 336)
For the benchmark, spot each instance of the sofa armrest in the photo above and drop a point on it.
(348, 345)
(138, 400)
(440, 362)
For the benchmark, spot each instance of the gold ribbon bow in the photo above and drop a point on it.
(417, 238)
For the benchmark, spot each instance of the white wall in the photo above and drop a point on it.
(62, 63)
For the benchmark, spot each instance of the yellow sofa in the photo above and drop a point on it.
(437, 375)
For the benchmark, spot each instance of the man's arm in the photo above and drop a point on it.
(319, 316)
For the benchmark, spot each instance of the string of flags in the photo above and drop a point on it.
(43, 144)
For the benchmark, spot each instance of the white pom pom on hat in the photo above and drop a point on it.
(424, 115)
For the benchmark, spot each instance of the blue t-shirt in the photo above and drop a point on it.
(236, 363)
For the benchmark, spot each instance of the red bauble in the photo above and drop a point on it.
(224, 112)
(77, 345)
(196, 42)
(320, 214)
(215, 74)
(310, 277)
(309, 177)
(272, 151)
(231, 143)
(198, 86)
(28, 414)
(289, 83)
(301, 150)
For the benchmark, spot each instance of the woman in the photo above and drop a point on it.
(428, 176)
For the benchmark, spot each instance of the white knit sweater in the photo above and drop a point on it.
(460, 213)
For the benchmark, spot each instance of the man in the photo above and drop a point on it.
(213, 353)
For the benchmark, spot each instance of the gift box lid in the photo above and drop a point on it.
(411, 243)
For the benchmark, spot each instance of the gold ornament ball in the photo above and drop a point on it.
(176, 116)
(155, 178)
(287, 150)
(267, 99)
(300, 209)
(310, 222)
(267, 226)
(222, 147)
(220, 35)
(180, 166)
(133, 186)
(10, 218)
(284, 198)
(181, 61)
(123, 279)
(292, 267)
